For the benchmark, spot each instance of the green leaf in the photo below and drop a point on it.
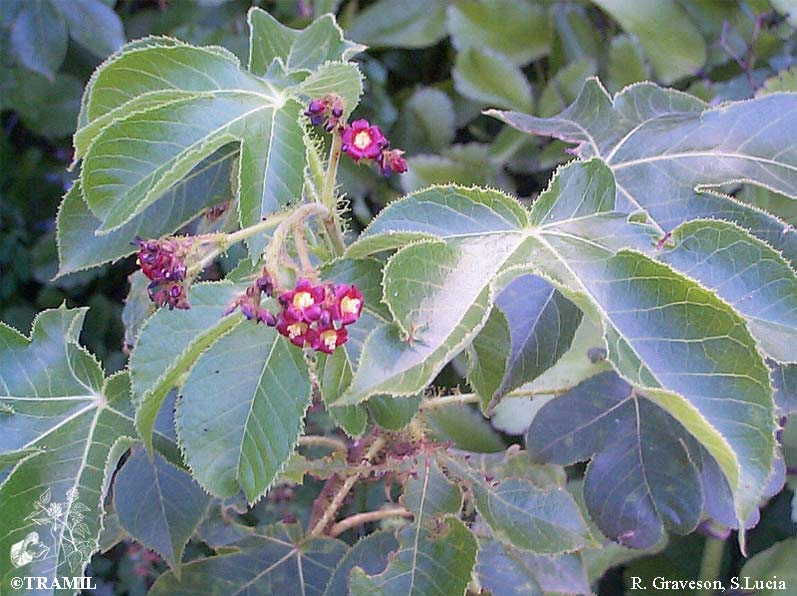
(64, 427)
(39, 37)
(427, 122)
(163, 75)
(671, 40)
(169, 344)
(429, 562)
(784, 378)
(585, 358)
(369, 554)
(159, 505)
(488, 77)
(748, 274)
(411, 24)
(440, 292)
(563, 88)
(464, 427)
(520, 513)
(655, 138)
(334, 375)
(93, 24)
(574, 37)
(511, 572)
(461, 164)
(47, 107)
(272, 562)
(641, 478)
(515, 28)
(762, 570)
(242, 410)
(539, 324)
(393, 413)
(436, 552)
(626, 62)
(322, 41)
(79, 245)
(690, 370)
(335, 371)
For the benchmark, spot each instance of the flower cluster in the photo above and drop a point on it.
(311, 315)
(360, 140)
(163, 262)
(317, 315)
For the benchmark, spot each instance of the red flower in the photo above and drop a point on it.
(304, 302)
(327, 339)
(391, 161)
(348, 304)
(295, 330)
(363, 141)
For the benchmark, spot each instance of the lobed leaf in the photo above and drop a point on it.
(307, 49)
(62, 430)
(681, 343)
(654, 139)
(270, 562)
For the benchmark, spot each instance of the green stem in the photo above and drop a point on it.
(711, 564)
(331, 442)
(473, 398)
(328, 197)
(328, 192)
(225, 241)
(294, 218)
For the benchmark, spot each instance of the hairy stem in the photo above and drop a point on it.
(473, 398)
(331, 442)
(328, 192)
(363, 518)
(328, 198)
(340, 496)
(711, 564)
(224, 241)
(294, 219)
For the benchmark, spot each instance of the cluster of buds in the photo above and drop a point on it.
(327, 111)
(163, 262)
(311, 315)
(361, 140)
(249, 302)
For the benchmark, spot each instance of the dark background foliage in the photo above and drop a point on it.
(428, 76)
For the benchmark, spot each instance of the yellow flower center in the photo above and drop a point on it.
(330, 339)
(303, 300)
(296, 330)
(362, 139)
(349, 305)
